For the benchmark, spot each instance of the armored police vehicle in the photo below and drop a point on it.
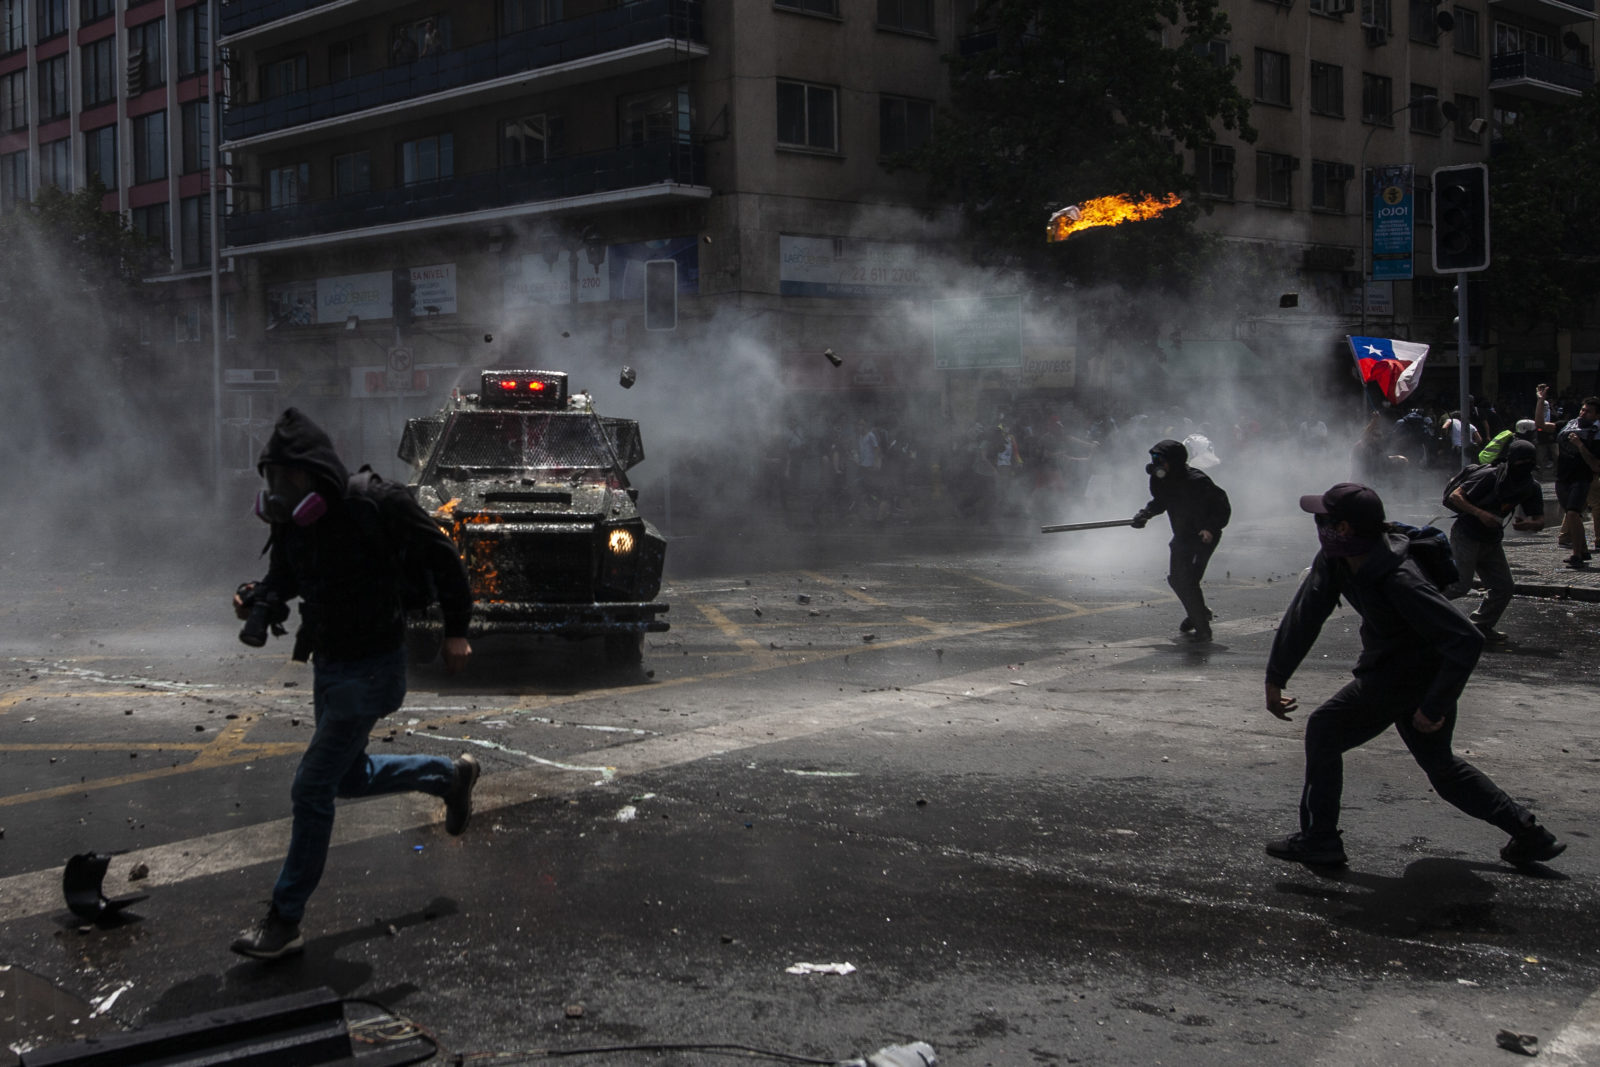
(531, 484)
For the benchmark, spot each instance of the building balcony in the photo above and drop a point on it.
(622, 177)
(635, 36)
(1560, 12)
(1537, 77)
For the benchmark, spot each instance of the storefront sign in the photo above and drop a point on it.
(977, 333)
(840, 267)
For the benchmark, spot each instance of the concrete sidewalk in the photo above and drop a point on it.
(1537, 564)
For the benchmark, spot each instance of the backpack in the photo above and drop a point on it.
(1495, 450)
(1429, 549)
(1456, 481)
(416, 586)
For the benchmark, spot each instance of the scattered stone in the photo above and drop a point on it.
(1525, 1044)
(139, 872)
(869, 637)
(574, 1011)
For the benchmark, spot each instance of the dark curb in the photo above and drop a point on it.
(1586, 594)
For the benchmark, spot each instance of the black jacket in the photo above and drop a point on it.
(1501, 488)
(1408, 628)
(346, 567)
(1191, 500)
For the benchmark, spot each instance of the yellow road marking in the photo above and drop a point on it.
(17, 696)
(731, 630)
(858, 594)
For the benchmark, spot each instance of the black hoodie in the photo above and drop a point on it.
(1500, 488)
(1191, 500)
(346, 566)
(1408, 629)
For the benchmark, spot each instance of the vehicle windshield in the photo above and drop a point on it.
(524, 440)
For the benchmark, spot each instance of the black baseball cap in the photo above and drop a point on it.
(1359, 505)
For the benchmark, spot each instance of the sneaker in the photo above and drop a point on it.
(458, 802)
(1577, 562)
(1188, 624)
(1322, 851)
(1491, 636)
(1200, 637)
(1532, 845)
(274, 937)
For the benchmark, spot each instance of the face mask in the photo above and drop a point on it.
(1156, 469)
(1337, 545)
(272, 508)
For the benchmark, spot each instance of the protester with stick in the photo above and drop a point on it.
(1198, 510)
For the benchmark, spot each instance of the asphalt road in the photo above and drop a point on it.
(978, 767)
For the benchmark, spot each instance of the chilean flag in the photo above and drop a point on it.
(1395, 367)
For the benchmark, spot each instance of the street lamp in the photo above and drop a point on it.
(1446, 108)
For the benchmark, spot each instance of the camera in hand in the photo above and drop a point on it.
(267, 612)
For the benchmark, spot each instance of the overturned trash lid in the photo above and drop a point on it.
(80, 882)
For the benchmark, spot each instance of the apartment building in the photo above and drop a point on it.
(107, 90)
(1346, 86)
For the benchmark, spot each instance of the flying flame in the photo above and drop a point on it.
(1106, 211)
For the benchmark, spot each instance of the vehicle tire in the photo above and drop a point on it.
(624, 650)
(422, 646)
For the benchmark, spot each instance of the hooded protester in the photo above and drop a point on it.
(1417, 653)
(1198, 510)
(1576, 464)
(1481, 503)
(340, 544)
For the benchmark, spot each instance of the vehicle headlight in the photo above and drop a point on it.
(620, 542)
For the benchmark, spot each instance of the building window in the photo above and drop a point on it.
(815, 7)
(1331, 8)
(1377, 99)
(147, 67)
(808, 116)
(1327, 89)
(347, 59)
(54, 99)
(55, 164)
(904, 124)
(100, 72)
(1507, 38)
(12, 30)
(194, 230)
(523, 141)
(352, 173)
(288, 185)
(100, 155)
(912, 16)
(1424, 21)
(52, 18)
(1216, 52)
(194, 40)
(428, 159)
(186, 322)
(1535, 43)
(1466, 35)
(1468, 109)
(196, 136)
(519, 15)
(1377, 13)
(1426, 116)
(659, 115)
(13, 181)
(1275, 178)
(92, 10)
(152, 222)
(150, 147)
(418, 38)
(14, 100)
(1213, 170)
(1329, 182)
(283, 77)
(1272, 77)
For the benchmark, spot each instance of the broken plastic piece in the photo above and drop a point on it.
(80, 883)
(820, 968)
(629, 376)
(1526, 1044)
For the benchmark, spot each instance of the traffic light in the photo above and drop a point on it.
(403, 296)
(661, 294)
(1461, 218)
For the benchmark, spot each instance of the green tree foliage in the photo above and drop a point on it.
(1544, 215)
(1076, 99)
(69, 291)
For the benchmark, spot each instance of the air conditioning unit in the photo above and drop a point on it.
(1376, 35)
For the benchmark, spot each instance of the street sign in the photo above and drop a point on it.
(1393, 218)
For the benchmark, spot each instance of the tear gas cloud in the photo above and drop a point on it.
(115, 470)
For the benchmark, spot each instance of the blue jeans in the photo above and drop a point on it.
(349, 696)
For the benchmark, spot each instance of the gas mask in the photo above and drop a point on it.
(1157, 467)
(288, 498)
(1339, 546)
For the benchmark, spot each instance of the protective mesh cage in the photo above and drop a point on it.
(526, 440)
